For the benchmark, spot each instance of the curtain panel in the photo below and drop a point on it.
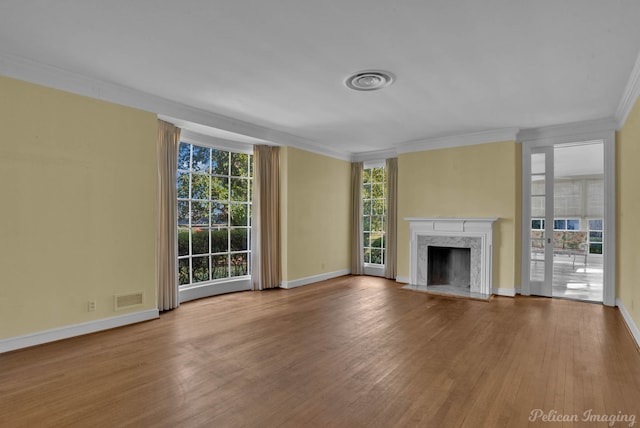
(357, 240)
(167, 239)
(390, 269)
(266, 265)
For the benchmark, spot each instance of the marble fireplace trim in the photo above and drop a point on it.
(474, 233)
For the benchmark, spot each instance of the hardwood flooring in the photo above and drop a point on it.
(349, 352)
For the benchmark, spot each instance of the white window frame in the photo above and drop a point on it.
(375, 269)
(222, 285)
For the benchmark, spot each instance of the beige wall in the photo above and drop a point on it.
(78, 185)
(316, 191)
(628, 227)
(473, 181)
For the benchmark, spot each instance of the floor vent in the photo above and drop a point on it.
(125, 301)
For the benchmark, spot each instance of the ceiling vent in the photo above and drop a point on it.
(369, 80)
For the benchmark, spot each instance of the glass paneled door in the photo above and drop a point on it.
(541, 219)
(564, 221)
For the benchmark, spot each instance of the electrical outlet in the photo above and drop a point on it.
(91, 306)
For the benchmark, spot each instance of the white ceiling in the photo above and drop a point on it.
(278, 67)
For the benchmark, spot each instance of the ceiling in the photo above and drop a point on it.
(275, 70)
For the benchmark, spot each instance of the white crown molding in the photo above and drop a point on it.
(54, 77)
(450, 141)
(629, 96)
(374, 155)
(574, 131)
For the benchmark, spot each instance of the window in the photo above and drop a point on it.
(595, 236)
(537, 223)
(214, 214)
(566, 224)
(374, 202)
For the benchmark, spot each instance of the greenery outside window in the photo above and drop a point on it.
(214, 214)
(374, 202)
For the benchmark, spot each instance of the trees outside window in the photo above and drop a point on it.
(214, 214)
(374, 202)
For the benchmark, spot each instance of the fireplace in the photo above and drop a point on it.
(449, 266)
(453, 254)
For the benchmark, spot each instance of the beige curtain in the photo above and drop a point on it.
(265, 248)
(392, 219)
(166, 245)
(357, 240)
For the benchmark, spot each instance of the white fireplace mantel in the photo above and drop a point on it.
(436, 228)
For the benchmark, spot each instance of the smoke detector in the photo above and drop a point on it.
(369, 80)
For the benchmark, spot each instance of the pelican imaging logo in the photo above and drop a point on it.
(587, 416)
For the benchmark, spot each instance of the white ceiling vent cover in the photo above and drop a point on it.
(129, 300)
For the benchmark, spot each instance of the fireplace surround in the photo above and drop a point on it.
(475, 234)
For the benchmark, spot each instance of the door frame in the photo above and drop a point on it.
(597, 130)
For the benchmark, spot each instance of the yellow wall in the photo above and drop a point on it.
(628, 199)
(78, 185)
(316, 189)
(473, 181)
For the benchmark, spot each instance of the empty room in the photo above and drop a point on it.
(332, 214)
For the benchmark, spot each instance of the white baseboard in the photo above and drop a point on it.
(316, 278)
(213, 289)
(633, 328)
(19, 342)
(403, 279)
(509, 292)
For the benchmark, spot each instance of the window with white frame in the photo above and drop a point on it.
(566, 224)
(595, 236)
(214, 214)
(374, 203)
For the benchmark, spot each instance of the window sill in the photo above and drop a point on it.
(212, 288)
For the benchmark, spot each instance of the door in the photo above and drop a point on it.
(540, 215)
(565, 214)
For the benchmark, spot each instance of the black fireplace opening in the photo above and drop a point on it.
(449, 266)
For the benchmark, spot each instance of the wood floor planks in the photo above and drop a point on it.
(349, 352)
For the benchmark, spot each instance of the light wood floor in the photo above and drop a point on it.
(350, 352)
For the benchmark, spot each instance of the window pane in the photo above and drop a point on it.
(595, 248)
(366, 176)
(200, 186)
(219, 188)
(560, 224)
(377, 190)
(239, 215)
(595, 224)
(366, 239)
(219, 240)
(239, 264)
(199, 241)
(220, 266)
(573, 224)
(376, 240)
(184, 156)
(377, 175)
(201, 159)
(200, 214)
(200, 269)
(183, 241)
(367, 255)
(183, 213)
(366, 207)
(367, 222)
(239, 189)
(219, 162)
(366, 191)
(239, 164)
(183, 272)
(376, 256)
(595, 236)
(536, 224)
(377, 207)
(376, 223)
(239, 239)
(220, 213)
(182, 184)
